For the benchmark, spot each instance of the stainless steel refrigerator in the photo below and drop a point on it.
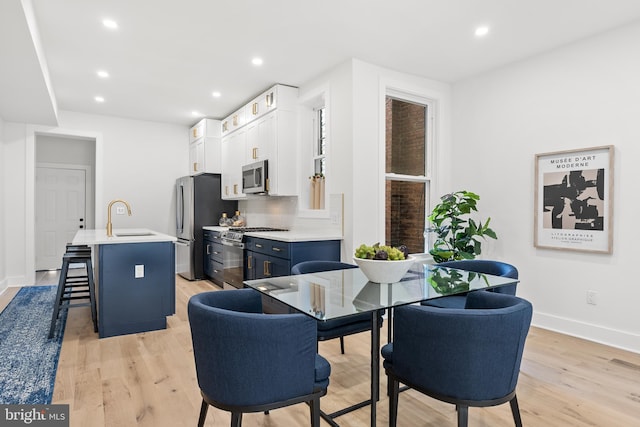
(198, 204)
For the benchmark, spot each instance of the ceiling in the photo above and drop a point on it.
(167, 57)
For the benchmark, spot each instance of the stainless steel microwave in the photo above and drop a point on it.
(255, 178)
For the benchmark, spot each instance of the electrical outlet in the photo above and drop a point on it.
(119, 210)
(592, 297)
(139, 271)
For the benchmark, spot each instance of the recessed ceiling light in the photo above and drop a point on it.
(196, 114)
(102, 74)
(110, 23)
(482, 31)
(99, 99)
(257, 61)
(216, 94)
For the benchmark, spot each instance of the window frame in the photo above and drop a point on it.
(427, 178)
(307, 151)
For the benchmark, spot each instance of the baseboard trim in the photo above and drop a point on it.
(623, 340)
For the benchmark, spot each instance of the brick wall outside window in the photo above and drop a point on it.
(405, 154)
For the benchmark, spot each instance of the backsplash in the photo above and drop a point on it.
(282, 212)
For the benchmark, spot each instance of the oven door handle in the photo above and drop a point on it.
(232, 244)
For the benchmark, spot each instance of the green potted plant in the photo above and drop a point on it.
(458, 235)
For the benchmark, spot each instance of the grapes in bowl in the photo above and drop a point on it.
(383, 264)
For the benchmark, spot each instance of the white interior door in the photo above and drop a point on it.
(60, 212)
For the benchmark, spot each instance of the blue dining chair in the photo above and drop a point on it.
(336, 328)
(467, 357)
(247, 361)
(495, 268)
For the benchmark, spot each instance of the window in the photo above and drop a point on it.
(314, 151)
(407, 142)
(320, 152)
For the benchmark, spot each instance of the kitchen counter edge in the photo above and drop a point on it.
(99, 237)
(283, 236)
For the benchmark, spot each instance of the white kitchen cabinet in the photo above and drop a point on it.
(234, 122)
(267, 127)
(258, 140)
(233, 157)
(205, 147)
(273, 138)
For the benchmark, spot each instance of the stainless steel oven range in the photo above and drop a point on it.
(233, 254)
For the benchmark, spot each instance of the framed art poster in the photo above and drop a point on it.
(574, 200)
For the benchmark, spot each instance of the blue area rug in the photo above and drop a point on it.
(28, 359)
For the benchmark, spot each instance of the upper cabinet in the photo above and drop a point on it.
(265, 130)
(205, 147)
(234, 122)
(233, 155)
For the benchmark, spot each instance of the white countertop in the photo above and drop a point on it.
(287, 236)
(121, 235)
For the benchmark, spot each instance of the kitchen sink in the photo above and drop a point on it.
(134, 234)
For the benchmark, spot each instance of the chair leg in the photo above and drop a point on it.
(515, 410)
(56, 308)
(203, 413)
(393, 389)
(92, 294)
(463, 415)
(314, 407)
(342, 345)
(236, 419)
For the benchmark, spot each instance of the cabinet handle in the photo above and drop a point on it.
(235, 188)
(226, 190)
(195, 132)
(216, 271)
(258, 245)
(266, 184)
(254, 108)
(273, 248)
(195, 166)
(235, 120)
(269, 99)
(216, 253)
(225, 126)
(266, 268)
(249, 258)
(255, 153)
(208, 250)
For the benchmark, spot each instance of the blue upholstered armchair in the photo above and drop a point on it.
(336, 328)
(247, 361)
(468, 357)
(496, 268)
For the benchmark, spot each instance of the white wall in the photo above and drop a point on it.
(580, 96)
(141, 161)
(356, 117)
(136, 160)
(3, 276)
(14, 203)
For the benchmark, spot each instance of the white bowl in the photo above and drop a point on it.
(384, 271)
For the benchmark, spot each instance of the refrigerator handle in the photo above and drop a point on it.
(180, 215)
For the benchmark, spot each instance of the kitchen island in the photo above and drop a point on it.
(135, 279)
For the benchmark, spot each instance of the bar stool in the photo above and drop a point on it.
(75, 287)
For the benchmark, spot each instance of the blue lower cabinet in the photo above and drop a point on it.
(273, 258)
(136, 287)
(213, 257)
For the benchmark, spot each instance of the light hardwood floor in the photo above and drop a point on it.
(148, 379)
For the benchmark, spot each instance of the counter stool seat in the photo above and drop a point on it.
(72, 288)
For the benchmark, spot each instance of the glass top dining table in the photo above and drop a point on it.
(340, 293)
